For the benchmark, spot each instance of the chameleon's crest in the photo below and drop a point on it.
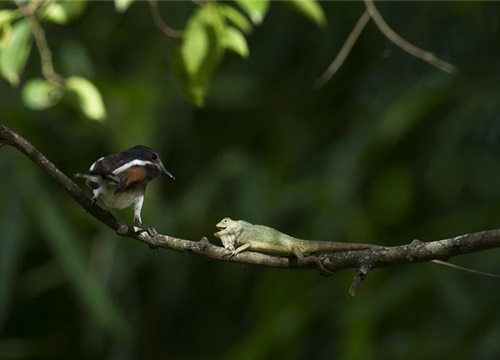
(245, 222)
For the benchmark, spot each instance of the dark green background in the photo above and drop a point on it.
(390, 150)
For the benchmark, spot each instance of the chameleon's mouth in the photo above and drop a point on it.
(221, 231)
(224, 227)
(221, 226)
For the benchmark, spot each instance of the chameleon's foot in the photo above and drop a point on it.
(229, 255)
(323, 271)
(311, 259)
(319, 264)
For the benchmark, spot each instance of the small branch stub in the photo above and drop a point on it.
(361, 275)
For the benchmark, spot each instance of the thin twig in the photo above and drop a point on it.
(404, 44)
(345, 50)
(162, 25)
(41, 43)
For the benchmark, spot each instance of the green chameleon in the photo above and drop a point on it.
(239, 236)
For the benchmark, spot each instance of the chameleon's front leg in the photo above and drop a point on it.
(310, 259)
(240, 249)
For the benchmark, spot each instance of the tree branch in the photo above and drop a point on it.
(372, 12)
(345, 50)
(405, 45)
(162, 25)
(363, 261)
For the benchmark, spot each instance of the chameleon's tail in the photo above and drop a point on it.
(314, 246)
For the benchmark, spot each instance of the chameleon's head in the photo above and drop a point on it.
(228, 231)
(226, 223)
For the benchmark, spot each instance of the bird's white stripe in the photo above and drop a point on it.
(92, 166)
(128, 165)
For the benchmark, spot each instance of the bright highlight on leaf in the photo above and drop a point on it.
(235, 41)
(39, 94)
(6, 16)
(256, 9)
(236, 17)
(62, 12)
(89, 97)
(122, 5)
(310, 9)
(14, 54)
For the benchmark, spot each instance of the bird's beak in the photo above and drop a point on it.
(165, 171)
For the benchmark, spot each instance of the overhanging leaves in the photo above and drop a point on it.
(14, 54)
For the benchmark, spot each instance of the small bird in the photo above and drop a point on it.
(120, 179)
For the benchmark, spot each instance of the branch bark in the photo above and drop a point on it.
(363, 261)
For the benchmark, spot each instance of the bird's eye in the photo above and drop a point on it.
(154, 156)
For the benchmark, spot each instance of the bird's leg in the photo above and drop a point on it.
(93, 200)
(137, 218)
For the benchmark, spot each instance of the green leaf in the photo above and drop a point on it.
(39, 94)
(236, 17)
(310, 9)
(195, 85)
(122, 5)
(195, 44)
(64, 11)
(89, 97)
(256, 9)
(14, 54)
(235, 41)
(5, 34)
(194, 92)
(6, 18)
(200, 53)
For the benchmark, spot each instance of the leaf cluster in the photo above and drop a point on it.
(210, 31)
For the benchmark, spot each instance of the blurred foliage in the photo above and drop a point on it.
(208, 33)
(388, 151)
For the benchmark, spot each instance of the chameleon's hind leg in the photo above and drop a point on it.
(311, 259)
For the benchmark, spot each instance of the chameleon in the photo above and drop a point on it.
(239, 236)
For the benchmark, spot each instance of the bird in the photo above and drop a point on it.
(120, 179)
